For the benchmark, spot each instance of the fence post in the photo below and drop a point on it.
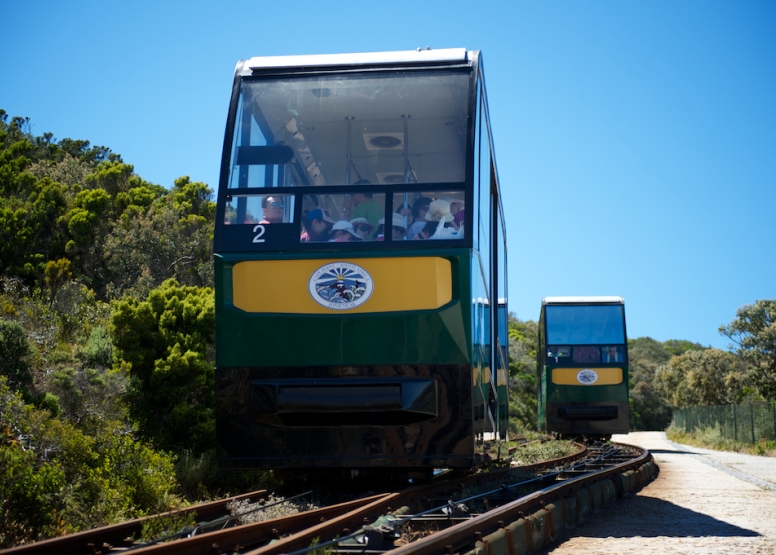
(751, 411)
(735, 423)
(773, 414)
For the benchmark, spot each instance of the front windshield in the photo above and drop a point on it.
(388, 129)
(585, 324)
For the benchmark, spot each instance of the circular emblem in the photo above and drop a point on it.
(587, 376)
(340, 285)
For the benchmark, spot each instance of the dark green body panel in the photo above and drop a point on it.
(440, 336)
(261, 353)
(560, 399)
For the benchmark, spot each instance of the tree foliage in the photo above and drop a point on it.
(753, 332)
(701, 378)
(56, 479)
(66, 200)
(522, 374)
(649, 409)
(166, 343)
(14, 350)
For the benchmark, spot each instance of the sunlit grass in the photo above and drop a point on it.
(710, 437)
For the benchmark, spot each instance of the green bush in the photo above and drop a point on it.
(98, 349)
(30, 500)
(13, 351)
(56, 479)
(166, 343)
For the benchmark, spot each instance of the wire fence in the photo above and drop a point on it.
(746, 423)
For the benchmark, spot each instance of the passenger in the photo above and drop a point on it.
(586, 354)
(272, 209)
(317, 224)
(456, 205)
(405, 212)
(380, 231)
(361, 205)
(398, 232)
(458, 223)
(362, 228)
(428, 230)
(419, 209)
(343, 232)
(459, 217)
(611, 354)
(439, 212)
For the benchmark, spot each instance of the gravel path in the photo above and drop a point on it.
(699, 504)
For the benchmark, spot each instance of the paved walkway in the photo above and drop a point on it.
(702, 502)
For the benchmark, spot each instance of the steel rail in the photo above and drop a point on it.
(239, 537)
(303, 540)
(300, 530)
(79, 542)
(427, 515)
(466, 533)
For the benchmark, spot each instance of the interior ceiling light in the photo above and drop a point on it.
(394, 178)
(384, 141)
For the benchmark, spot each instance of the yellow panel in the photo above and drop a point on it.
(501, 378)
(281, 286)
(586, 376)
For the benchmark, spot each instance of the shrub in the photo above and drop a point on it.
(13, 350)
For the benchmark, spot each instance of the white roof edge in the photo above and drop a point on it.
(582, 300)
(364, 58)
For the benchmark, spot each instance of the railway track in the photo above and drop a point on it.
(511, 510)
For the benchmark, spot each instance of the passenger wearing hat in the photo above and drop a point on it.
(398, 231)
(362, 227)
(317, 224)
(380, 230)
(343, 232)
(439, 211)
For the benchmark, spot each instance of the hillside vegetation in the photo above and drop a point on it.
(106, 344)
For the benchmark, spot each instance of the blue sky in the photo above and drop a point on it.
(635, 141)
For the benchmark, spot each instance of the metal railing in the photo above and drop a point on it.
(746, 423)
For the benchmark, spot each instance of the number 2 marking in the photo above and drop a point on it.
(259, 230)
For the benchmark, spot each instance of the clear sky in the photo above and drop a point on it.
(635, 141)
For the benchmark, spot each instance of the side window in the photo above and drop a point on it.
(352, 217)
(429, 215)
(259, 209)
(485, 230)
(611, 354)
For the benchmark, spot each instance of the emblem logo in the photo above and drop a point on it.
(587, 376)
(340, 285)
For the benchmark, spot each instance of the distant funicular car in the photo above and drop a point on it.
(583, 367)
